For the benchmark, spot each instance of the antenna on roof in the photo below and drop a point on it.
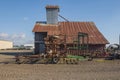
(63, 18)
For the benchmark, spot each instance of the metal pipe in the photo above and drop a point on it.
(63, 18)
(119, 41)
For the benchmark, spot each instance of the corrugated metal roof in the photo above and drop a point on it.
(50, 29)
(72, 28)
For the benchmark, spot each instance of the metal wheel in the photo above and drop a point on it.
(55, 60)
(17, 61)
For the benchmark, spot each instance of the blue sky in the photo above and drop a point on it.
(18, 17)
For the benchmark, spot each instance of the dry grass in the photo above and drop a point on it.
(85, 70)
(9, 51)
(5, 58)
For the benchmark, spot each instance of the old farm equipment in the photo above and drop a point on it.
(80, 45)
(113, 52)
(57, 48)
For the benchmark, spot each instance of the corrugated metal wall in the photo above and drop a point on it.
(39, 42)
(52, 16)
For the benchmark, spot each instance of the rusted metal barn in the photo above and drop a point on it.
(53, 27)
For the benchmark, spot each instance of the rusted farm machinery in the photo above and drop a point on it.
(56, 50)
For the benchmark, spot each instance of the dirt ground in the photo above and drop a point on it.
(86, 70)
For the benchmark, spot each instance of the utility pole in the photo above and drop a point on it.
(119, 41)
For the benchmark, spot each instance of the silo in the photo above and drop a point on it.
(52, 14)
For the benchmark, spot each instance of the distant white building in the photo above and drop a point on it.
(6, 44)
(29, 46)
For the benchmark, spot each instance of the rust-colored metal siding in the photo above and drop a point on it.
(72, 28)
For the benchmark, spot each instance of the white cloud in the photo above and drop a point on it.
(18, 36)
(13, 36)
(18, 39)
(25, 18)
(22, 35)
(3, 35)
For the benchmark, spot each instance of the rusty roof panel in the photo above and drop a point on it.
(95, 37)
(51, 29)
(52, 6)
(72, 28)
